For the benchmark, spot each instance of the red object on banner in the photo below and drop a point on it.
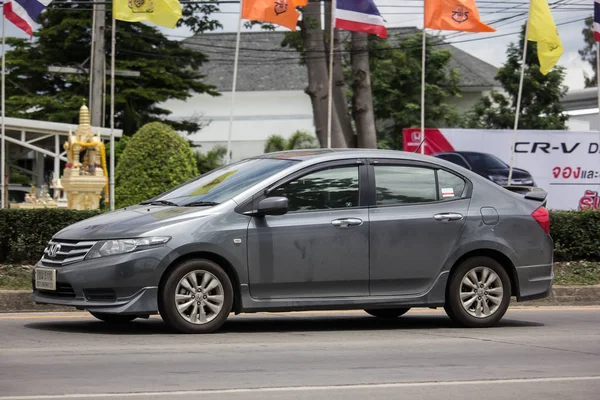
(435, 142)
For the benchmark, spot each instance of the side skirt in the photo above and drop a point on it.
(433, 297)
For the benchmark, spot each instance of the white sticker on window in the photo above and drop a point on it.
(447, 192)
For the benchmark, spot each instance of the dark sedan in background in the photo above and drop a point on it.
(488, 166)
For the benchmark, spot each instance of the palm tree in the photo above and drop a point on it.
(299, 140)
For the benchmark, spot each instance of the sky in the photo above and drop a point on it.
(490, 47)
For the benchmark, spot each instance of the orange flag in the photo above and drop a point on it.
(280, 12)
(454, 15)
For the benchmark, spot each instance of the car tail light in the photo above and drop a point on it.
(542, 216)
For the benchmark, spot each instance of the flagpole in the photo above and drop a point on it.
(597, 76)
(2, 147)
(423, 87)
(113, 40)
(520, 93)
(330, 86)
(234, 83)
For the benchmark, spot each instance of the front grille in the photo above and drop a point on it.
(100, 294)
(63, 290)
(64, 252)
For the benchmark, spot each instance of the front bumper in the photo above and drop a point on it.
(144, 302)
(121, 284)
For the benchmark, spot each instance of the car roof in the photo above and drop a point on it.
(333, 154)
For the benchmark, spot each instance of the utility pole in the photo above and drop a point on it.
(98, 69)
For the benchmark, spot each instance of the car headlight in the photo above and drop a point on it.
(499, 179)
(121, 246)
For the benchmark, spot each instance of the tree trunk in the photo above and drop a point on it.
(362, 102)
(340, 100)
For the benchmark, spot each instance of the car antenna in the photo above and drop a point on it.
(420, 144)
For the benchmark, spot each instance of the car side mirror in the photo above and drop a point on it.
(272, 206)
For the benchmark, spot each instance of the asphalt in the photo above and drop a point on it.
(534, 353)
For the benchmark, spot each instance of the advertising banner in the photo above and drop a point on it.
(565, 164)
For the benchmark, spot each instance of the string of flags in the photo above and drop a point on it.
(351, 15)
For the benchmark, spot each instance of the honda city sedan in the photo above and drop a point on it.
(382, 231)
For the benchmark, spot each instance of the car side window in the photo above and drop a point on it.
(397, 185)
(331, 188)
(450, 186)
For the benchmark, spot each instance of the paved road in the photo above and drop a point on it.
(533, 354)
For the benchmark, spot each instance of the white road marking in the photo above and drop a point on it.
(304, 388)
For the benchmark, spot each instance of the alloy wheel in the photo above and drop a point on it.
(481, 292)
(199, 297)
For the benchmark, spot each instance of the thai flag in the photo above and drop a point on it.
(360, 16)
(23, 13)
(597, 20)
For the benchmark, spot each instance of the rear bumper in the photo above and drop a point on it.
(534, 282)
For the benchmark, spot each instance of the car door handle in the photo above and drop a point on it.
(346, 222)
(448, 217)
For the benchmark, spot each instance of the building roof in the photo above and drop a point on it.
(264, 65)
(52, 128)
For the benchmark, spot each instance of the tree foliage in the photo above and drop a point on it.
(540, 102)
(167, 70)
(212, 159)
(299, 140)
(155, 160)
(588, 53)
(395, 78)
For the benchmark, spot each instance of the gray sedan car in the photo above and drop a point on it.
(377, 230)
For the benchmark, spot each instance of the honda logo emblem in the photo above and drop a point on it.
(53, 249)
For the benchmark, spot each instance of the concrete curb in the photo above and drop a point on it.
(13, 301)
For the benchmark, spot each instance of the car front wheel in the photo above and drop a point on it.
(196, 297)
(479, 293)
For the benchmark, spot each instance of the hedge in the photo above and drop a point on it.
(25, 233)
(576, 235)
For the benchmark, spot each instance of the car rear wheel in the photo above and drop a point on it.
(479, 293)
(114, 318)
(196, 297)
(387, 312)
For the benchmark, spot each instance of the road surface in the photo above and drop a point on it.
(534, 354)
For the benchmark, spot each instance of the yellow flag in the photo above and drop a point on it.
(543, 31)
(160, 12)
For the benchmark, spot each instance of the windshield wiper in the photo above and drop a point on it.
(160, 203)
(201, 204)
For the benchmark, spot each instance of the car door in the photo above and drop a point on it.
(417, 214)
(320, 248)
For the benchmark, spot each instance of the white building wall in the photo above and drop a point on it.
(586, 120)
(257, 116)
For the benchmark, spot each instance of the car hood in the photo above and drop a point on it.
(517, 173)
(131, 222)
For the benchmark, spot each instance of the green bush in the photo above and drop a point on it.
(576, 235)
(155, 160)
(25, 233)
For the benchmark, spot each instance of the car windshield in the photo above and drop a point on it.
(221, 184)
(485, 161)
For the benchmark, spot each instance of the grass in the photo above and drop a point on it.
(572, 273)
(577, 273)
(15, 277)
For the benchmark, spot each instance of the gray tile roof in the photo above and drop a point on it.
(266, 66)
